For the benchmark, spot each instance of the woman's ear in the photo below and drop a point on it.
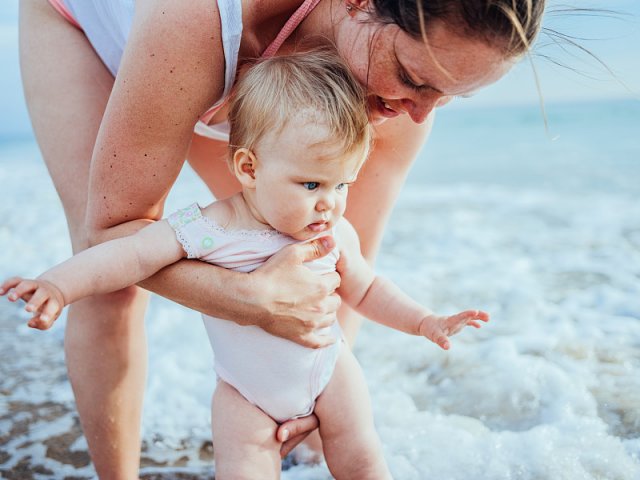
(244, 167)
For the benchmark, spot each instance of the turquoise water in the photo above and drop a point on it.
(587, 146)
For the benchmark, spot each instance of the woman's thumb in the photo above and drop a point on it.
(315, 249)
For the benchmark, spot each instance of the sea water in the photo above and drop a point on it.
(539, 228)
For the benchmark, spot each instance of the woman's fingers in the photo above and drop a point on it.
(314, 340)
(315, 249)
(292, 443)
(331, 282)
(298, 303)
(291, 433)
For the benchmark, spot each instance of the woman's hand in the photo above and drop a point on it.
(292, 432)
(45, 300)
(438, 328)
(297, 302)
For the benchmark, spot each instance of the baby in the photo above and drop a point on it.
(299, 136)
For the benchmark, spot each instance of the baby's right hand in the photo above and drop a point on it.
(43, 299)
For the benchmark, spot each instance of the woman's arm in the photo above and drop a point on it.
(171, 72)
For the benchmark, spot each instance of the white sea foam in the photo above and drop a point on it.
(549, 389)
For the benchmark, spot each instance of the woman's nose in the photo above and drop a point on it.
(418, 111)
(419, 108)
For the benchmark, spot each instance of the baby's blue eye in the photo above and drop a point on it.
(310, 185)
(342, 186)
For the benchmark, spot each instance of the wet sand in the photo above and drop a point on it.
(40, 436)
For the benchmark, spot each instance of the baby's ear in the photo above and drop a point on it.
(244, 167)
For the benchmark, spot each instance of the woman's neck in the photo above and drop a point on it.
(317, 29)
(263, 21)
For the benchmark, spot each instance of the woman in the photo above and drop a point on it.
(129, 87)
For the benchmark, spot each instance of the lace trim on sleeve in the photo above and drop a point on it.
(178, 220)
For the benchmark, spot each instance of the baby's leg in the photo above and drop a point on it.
(351, 445)
(244, 438)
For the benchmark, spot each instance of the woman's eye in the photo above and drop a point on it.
(310, 185)
(404, 78)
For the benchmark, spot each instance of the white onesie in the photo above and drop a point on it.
(281, 377)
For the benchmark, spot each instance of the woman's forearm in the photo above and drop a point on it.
(208, 289)
(200, 286)
(282, 297)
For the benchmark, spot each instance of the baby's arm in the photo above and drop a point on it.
(107, 267)
(382, 301)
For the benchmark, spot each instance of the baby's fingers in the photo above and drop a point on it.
(37, 300)
(474, 315)
(23, 290)
(40, 322)
(442, 340)
(9, 284)
(49, 314)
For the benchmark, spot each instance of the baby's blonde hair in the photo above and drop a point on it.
(315, 83)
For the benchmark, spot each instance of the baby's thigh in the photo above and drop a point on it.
(244, 437)
(345, 403)
(350, 443)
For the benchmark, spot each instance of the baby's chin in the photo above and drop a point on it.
(301, 236)
(308, 234)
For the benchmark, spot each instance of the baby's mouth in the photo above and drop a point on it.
(318, 226)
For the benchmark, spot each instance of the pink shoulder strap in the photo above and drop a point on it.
(62, 9)
(298, 16)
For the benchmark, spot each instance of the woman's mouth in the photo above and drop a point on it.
(383, 107)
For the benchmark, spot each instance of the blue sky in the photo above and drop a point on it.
(615, 40)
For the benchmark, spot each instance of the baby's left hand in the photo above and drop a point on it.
(438, 328)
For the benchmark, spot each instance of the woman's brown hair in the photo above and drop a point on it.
(508, 24)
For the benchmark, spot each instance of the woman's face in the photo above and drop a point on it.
(403, 75)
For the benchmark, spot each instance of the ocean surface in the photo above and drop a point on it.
(540, 228)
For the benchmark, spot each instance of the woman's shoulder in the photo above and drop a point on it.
(186, 31)
(194, 13)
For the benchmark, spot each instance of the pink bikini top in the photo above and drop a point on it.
(298, 16)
